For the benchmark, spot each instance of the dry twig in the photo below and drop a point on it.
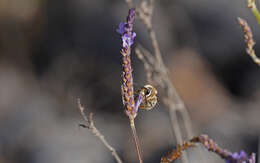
(176, 153)
(248, 37)
(212, 146)
(90, 125)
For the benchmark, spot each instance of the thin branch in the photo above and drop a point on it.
(176, 153)
(251, 5)
(136, 140)
(91, 126)
(211, 146)
(248, 37)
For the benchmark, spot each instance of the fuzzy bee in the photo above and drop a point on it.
(149, 94)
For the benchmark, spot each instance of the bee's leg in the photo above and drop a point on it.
(136, 93)
(146, 101)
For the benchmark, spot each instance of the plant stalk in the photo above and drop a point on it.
(136, 140)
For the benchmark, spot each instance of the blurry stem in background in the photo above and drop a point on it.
(251, 4)
(248, 37)
(90, 125)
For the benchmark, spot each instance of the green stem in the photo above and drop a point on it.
(256, 13)
(251, 4)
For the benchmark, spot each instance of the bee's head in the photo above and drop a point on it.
(150, 90)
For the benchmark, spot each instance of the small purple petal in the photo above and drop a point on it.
(252, 158)
(138, 102)
(128, 40)
(243, 154)
(241, 157)
(131, 16)
(235, 155)
(121, 28)
(125, 29)
(133, 36)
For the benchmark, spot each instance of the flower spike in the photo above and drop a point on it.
(125, 29)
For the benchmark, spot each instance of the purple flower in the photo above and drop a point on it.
(125, 29)
(131, 16)
(241, 157)
(121, 28)
(128, 40)
(252, 158)
(138, 102)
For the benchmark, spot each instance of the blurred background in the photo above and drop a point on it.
(53, 51)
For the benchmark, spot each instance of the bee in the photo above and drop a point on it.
(149, 94)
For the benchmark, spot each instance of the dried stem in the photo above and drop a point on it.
(176, 153)
(248, 37)
(212, 146)
(136, 140)
(91, 126)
